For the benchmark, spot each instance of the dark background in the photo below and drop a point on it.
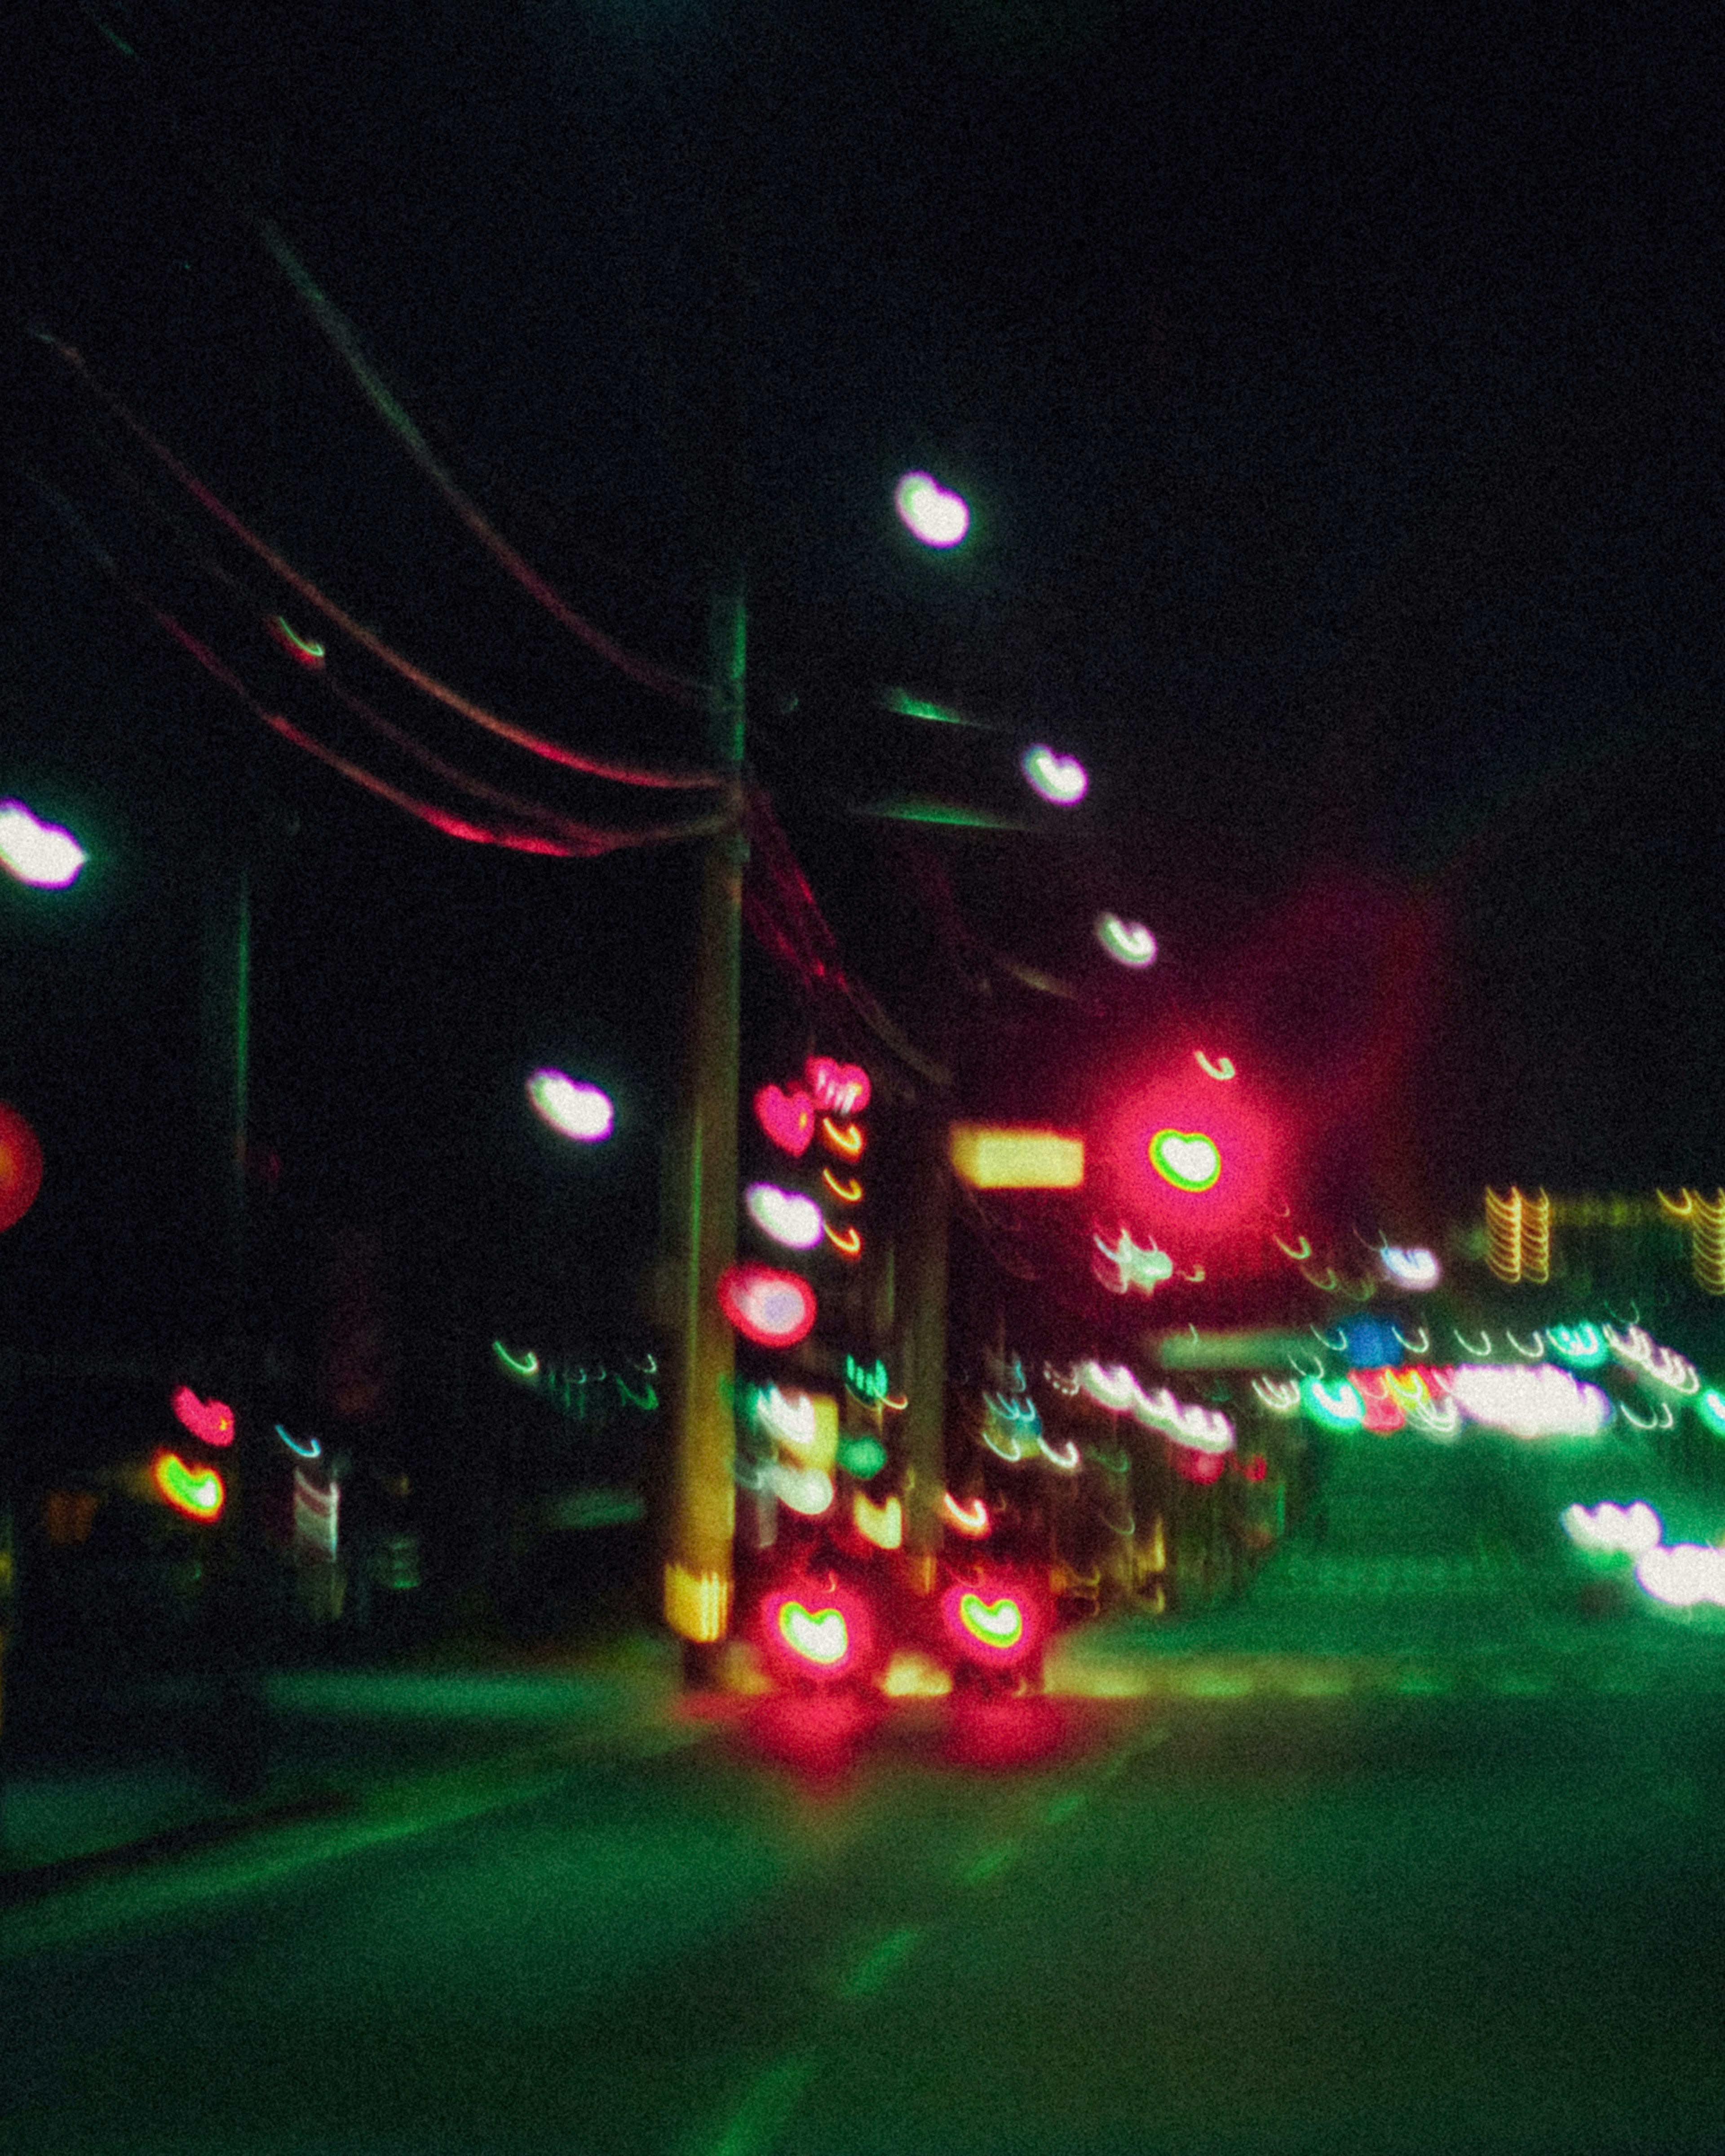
(1337, 392)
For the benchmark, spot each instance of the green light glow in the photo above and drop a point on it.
(861, 1457)
(526, 1367)
(944, 812)
(920, 707)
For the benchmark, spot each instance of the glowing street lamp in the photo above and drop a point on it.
(35, 852)
(929, 511)
(573, 1110)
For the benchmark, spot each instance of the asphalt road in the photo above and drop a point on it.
(1478, 1919)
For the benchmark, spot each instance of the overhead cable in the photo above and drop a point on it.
(505, 730)
(343, 334)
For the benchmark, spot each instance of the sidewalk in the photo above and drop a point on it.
(126, 1781)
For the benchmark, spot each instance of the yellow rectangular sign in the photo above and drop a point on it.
(1016, 1156)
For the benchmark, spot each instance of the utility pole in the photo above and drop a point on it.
(701, 1228)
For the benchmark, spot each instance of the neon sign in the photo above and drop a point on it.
(1581, 1346)
(870, 1383)
(842, 1089)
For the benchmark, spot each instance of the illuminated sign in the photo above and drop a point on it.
(841, 1089)
(1014, 1157)
(994, 1622)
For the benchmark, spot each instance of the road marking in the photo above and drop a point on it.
(869, 1979)
(765, 2112)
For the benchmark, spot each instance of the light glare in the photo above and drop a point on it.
(573, 1110)
(38, 853)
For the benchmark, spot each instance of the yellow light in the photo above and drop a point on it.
(882, 1525)
(1518, 1236)
(1016, 1156)
(697, 1605)
(1707, 1240)
(1503, 1235)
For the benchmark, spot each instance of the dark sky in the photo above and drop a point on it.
(1336, 389)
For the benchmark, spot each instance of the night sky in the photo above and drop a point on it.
(1336, 390)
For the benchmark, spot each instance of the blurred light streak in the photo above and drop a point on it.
(210, 1421)
(930, 512)
(1222, 1068)
(1127, 942)
(572, 1107)
(1542, 1401)
(1124, 1266)
(1683, 1574)
(311, 1451)
(972, 1519)
(1060, 780)
(697, 1605)
(785, 1215)
(527, 1366)
(846, 1241)
(42, 854)
(1299, 1255)
(306, 651)
(846, 1138)
(1615, 1529)
(1190, 1160)
(774, 1309)
(1416, 1270)
(849, 1192)
(197, 1493)
(883, 1525)
(841, 1088)
(994, 1156)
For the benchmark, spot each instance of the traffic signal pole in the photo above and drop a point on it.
(702, 1200)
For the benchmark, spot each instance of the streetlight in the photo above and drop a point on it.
(574, 1110)
(38, 853)
(929, 511)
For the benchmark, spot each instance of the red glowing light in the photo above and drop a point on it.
(1254, 1469)
(994, 1622)
(818, 1632)
(211, 1421)
(787, 1118)
(1187, 1159)
(1195, 1466)
(843, 1137)
(774, 1309)
(20, 1167)
(840, 1088)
